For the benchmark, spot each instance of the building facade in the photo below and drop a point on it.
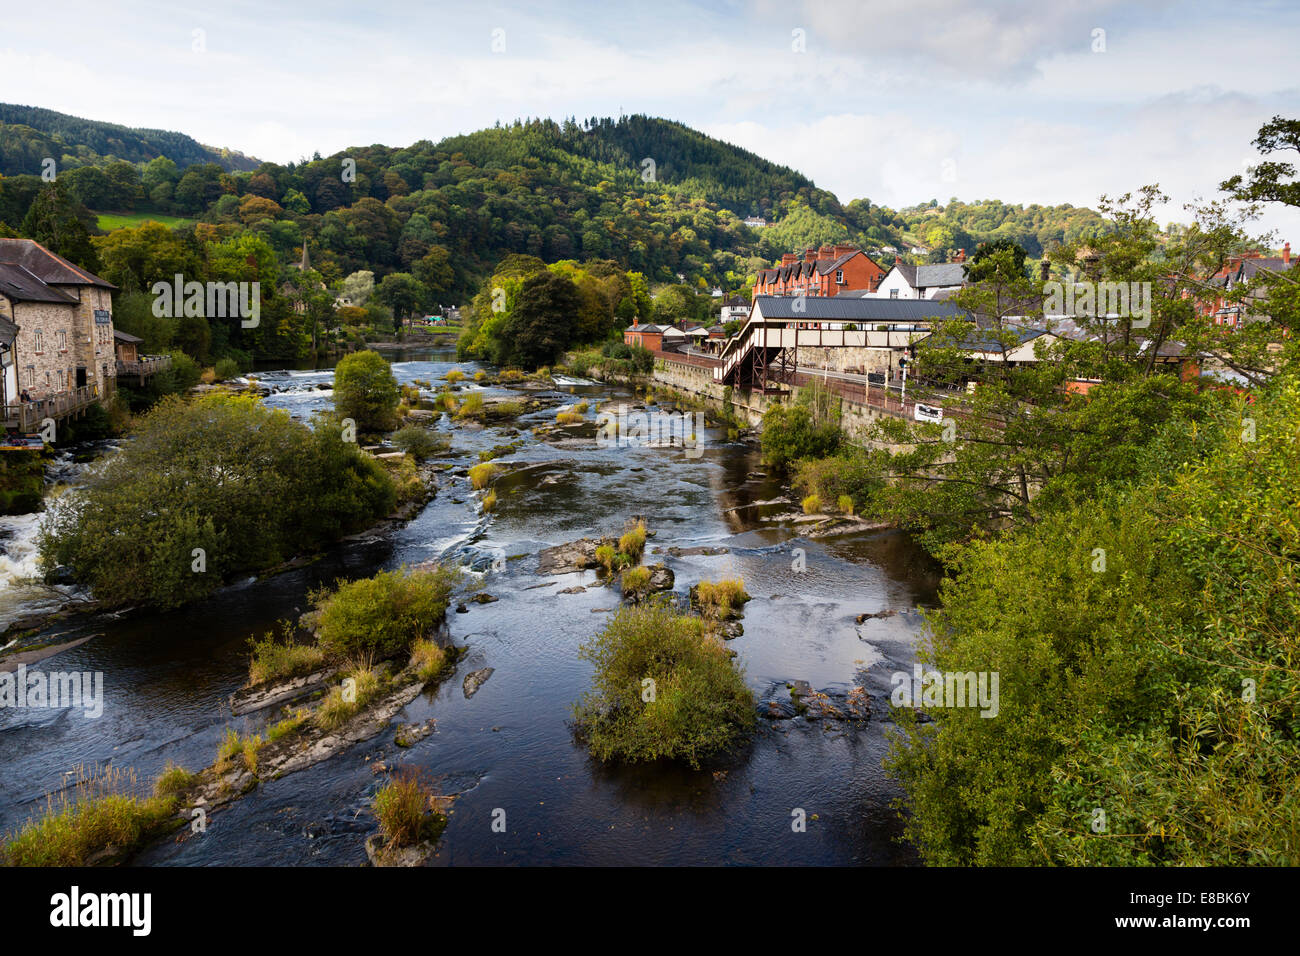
(826, 271)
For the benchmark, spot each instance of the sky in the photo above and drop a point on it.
(1052, 101)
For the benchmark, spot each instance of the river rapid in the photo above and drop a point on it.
(168, 677)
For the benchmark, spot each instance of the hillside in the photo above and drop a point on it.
(29, 134)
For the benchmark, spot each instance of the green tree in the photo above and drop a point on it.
(366, 392)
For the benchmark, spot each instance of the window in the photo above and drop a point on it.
(893, 293)
(839, 277)
(62, 339)
(38, 341)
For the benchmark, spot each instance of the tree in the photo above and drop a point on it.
(366, 392)
(62, 225)
(401, 292)
(541, 323)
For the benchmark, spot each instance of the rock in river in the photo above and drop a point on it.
(476, 679)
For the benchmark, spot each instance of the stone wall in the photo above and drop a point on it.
(52, 368)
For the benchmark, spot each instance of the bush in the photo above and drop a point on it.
(246, 485)
(845, 504)
(789, 434)
(511, 375)
(480, 475)
(226, 369)
(366, 391)
(568, 418)
(453, 376)
(382, 616)
(480, 376)
(420, 442)
(812, 505)
(700, 705)
(853, 473)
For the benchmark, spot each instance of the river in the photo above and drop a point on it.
(168, 677)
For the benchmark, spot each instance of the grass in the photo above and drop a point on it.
(428, 659)
(610, 559)
(568, 418)
(453, 376)
(581, 408)
(102, 814)
(109, 221)
(636, 581)
(480, 475)
(336, 709)
(173, 780)
(446, 401)
(480, 376)
(235, 745)
(489, 501)
(718, 601)
(404, 808)
(472, 407)
(812, 505)
(511, 375)
(507, 409)
(846, 504)
(286, 726)
(276, 660)
(632, 543)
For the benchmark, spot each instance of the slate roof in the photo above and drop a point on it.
(45, 265)
(842, 308)
(126, 336)
(19, 284)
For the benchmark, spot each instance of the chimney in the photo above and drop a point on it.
(1286, 254)
(810, 255)
(898, 260)
(788, 259)
(845, 249)
(1044, 270)
(959, 256)
(826, 252)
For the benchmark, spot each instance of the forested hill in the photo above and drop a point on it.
(29, 134)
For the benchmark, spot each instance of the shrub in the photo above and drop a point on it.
(568, 418)
(405, 477)
(719, 601)
(506, 409)
(226, 369)
(812, 505)
(845, 504)
(382, 615)
(446, 401)
(853, 472)
(274, 659)
(581, 408)
(606, 556)
(101, 814)
(366, 391)
(700, 705)
(511, 375)
(246, 484)
(480, 475)
(480, 376)
(632, 543)
(428, 659)
(453, 376)
(790, 433)
(420, 442)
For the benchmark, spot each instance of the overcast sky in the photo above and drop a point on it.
(1048, 101)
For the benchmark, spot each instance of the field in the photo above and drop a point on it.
(109, 221)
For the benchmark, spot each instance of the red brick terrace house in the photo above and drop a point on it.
(656, 338)
(1239, 271)
(830, 270)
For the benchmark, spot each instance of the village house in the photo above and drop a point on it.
(825, 271)
(1239, 272)
(656, 338)
(63, 316)
(905, 281)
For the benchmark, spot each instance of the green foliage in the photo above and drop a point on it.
(792, 432)
(276, 659)
(382, 615)
(403, 807)
(632, 543)
(480, 475)
(420, 442)
(247, 485)
(226, 369)
(1126, 672)
(366, 391)
(700, 705)
(812, 505)
(720, 600)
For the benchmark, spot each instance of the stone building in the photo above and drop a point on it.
(64, 319)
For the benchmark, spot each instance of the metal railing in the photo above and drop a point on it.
(144, 367)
